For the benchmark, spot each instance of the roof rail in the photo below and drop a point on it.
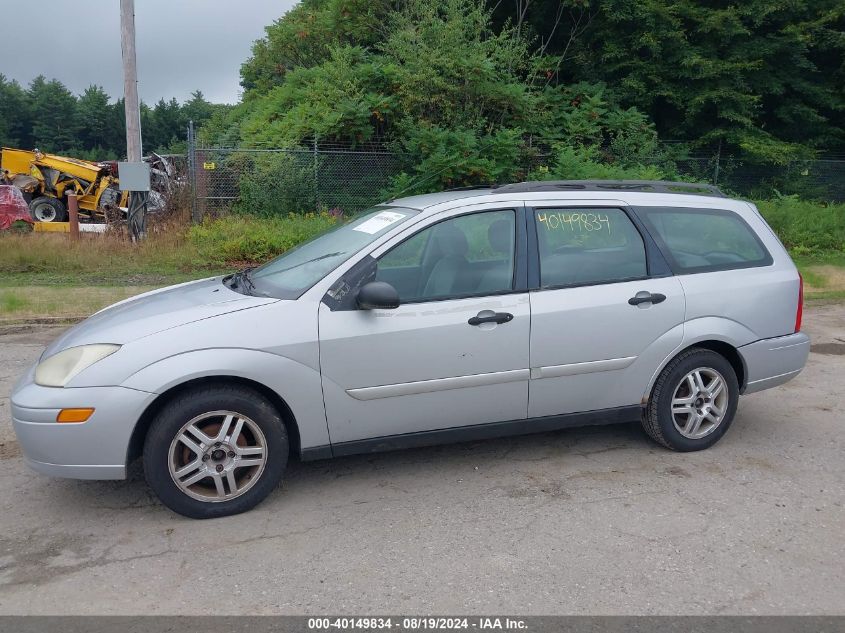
(472, 187)
(650, 186)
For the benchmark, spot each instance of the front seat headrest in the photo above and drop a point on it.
(451, 241)
(499, 236)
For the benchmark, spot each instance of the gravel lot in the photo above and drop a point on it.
(584, 521)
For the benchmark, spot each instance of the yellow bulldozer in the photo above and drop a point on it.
(46, 179)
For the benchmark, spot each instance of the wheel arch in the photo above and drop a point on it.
(731, 354)
(142, 426)
(725, 349)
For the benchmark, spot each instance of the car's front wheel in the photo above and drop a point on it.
(215, 450)
(693, 401)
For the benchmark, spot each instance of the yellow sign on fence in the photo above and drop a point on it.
(209, 166)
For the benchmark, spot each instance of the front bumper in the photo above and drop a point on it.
(774, 361)
(96, 449)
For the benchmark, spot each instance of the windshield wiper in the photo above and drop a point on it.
(246, 280)
(243, 279)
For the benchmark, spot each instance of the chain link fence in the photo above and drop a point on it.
(819, 179)
(321, 176)
(278, 181)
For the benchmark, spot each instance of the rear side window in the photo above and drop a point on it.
(703, 240)
(588, 246)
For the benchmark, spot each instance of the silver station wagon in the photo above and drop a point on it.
(452, 316)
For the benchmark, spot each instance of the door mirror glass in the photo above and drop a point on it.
(378, 295)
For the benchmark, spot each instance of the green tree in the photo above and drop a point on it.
(449, 67)
(166, 125)
(94, 113)
(54, 120)
(48, 116)
(441, 64)
(15, 118)
(761, 77)
(457, 98)
(197, 109)
(305, 36)
(343, 99)
(116, 125)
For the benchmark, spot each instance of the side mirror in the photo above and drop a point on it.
(378, 295)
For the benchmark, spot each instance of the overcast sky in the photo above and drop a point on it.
(182, 45)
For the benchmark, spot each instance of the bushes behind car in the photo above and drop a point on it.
(240, 238)
(806, 228)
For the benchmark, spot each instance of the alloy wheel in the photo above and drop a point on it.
(700, 403)
(217, 456)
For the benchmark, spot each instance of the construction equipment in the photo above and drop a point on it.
(46, 179)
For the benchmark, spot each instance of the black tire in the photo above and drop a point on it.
(658, 420)
(196, 402)
(39, 205)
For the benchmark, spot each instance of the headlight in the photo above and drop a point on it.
(58, 370)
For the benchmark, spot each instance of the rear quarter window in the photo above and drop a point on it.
(704, 240)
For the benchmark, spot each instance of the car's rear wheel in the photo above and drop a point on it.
(693, 402)
(46, 209)
(215, 450)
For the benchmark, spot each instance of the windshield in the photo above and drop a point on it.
(291, 274)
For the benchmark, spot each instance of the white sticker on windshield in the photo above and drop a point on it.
(379, 222)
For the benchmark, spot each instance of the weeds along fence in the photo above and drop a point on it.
(271, 182)
(821, 179)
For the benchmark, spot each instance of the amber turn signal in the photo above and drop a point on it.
(74, 416)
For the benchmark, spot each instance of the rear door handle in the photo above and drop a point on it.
(646, 297)
(486, 316)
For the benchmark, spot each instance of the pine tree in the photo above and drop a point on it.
(54, 117)
(15, 118)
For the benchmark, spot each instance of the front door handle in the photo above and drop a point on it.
(646, 297)
(486, 316)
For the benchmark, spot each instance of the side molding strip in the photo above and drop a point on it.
(438, 384)
(494, 378)
(555, 371)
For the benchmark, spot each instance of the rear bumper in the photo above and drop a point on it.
(774, 361)
(95, 449)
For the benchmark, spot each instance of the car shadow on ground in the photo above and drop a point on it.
(303, 479)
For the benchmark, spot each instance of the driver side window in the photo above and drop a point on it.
(468, 255)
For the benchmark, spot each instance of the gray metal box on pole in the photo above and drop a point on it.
(134, 176)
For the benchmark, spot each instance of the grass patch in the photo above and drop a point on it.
(813, 278)
(25, 302)
(826, 296)
(54, 259)
(169, 256)
(48, 275)
(824, 276)
(11, 301)
(244, 238)
(105, 279)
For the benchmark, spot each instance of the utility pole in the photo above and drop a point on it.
(137, 199)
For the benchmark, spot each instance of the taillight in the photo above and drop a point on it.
(800, 312)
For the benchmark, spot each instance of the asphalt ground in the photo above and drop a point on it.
(596, 520)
